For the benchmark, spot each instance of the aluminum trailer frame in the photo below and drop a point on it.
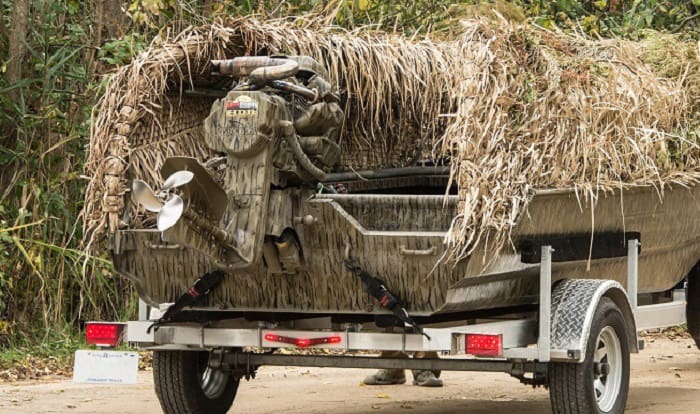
(523, 340)
(578, 345)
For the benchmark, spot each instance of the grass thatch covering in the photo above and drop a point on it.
(522, 108)
(541, 109)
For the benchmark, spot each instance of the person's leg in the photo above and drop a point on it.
(426, 378)
(388, 376)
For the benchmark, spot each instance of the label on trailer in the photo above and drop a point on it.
(105, 367)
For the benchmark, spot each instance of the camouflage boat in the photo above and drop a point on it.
(267, 212)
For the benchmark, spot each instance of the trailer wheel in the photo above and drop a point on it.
(692, 308)
(601, 382)
(185, 384)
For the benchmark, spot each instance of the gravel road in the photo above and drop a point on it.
(665, 378)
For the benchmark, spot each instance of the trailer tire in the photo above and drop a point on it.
(595, 386)
(692, 307)
(181, 387)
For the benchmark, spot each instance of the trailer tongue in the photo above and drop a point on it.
(265, 248)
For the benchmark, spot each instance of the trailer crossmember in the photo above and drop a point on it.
(236, 360)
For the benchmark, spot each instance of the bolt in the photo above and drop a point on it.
(601, 369)
(307, 220)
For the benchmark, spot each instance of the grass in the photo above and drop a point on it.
(41, 355)
(49, 354)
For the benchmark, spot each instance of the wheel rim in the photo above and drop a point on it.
(213, 382)
(607, 375)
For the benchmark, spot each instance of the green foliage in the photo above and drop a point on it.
(42, 284)
(616, 17)
(118, 52)
(58, 343)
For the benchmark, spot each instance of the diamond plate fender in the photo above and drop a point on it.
(574, 302)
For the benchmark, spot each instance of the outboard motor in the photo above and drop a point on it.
(277, 129)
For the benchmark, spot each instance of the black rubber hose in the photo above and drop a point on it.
(289, 134)
(385, 173)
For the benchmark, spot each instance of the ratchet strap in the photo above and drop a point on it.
(386, 299)
(194, 295)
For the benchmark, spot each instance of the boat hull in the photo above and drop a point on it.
(400, 239)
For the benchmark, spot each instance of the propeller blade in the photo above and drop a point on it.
(144, 195)
(177, 179)
(170, 213)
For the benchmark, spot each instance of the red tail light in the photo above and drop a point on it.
(103, 334)
(303, 342)
(484, 345)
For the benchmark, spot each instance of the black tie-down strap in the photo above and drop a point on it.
(386, 299)
(196, 294)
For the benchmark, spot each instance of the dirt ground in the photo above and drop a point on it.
(665, 378)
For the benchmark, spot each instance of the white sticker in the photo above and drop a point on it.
(241, 107)
(105, 367)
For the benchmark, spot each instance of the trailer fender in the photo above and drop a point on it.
(574, 302)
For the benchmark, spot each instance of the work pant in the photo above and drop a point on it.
(416, 355)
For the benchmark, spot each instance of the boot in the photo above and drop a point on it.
(427, 379)
(386, 377)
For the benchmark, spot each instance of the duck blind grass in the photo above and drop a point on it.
(512, 106)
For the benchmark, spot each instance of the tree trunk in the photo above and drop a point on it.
(16, 52)
(96, 10)
(113, 18)
(98, 22)
(18, 38)
(208, 8)
(3, 29)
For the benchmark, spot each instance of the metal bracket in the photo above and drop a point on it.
(632, 272)
(658, 315)
(143, 310)
(543, 351)
(543, 340)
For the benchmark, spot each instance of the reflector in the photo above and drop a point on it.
(484, 344)
(170, 213)
(303, 342)
(103, 334)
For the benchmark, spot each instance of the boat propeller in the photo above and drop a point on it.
(168, 206)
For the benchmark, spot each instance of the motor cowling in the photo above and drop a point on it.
(271, 132)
